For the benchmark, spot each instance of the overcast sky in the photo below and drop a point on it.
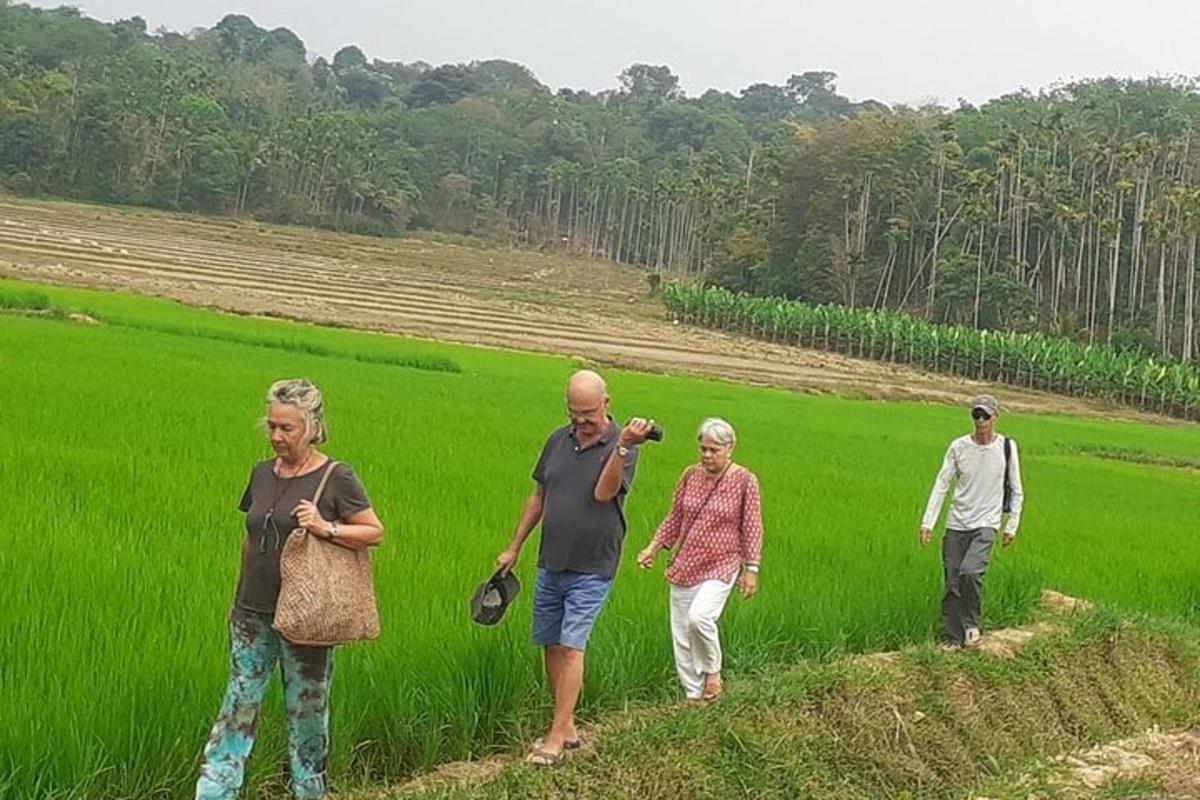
(908, 51)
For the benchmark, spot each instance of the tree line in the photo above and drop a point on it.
(234, 119)
(1073, 212)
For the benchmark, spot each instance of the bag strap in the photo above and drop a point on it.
(324, 480)
(711, 491)
(742, 510)
(1007, 497)
(1008, 443)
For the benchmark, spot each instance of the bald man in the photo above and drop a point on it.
(580, 483)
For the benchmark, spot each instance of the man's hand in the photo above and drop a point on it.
(507, 560)
(748, 583)
(645, 558)
(926, 536)
(634, 432)
(1009, 538)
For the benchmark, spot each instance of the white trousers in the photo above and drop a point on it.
(694, 614)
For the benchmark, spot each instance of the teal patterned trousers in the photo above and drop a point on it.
(254, 651)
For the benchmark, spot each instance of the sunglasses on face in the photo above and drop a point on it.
(979, 414)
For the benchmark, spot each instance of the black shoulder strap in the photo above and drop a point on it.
(685, 531)
(1007, 503)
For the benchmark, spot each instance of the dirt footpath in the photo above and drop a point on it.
(1153, 764)
(439, 290)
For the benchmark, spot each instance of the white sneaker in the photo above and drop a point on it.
(971, 637)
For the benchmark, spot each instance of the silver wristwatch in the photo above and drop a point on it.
(333, 530)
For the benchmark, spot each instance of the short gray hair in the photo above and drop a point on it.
(717, 430)
(304, 395)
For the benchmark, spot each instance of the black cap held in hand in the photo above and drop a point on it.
(492, 597)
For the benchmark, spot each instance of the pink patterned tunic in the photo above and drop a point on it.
(726, 533)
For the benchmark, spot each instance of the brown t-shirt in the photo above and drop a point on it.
(268, 502)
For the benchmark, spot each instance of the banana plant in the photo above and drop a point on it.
(1035, 360)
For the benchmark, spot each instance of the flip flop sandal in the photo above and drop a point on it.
(572, 744)
(543, 758)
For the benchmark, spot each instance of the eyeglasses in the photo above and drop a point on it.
(575, 413)
(269, 528)
(978, 414)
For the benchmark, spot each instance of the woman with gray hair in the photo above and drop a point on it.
(715, 524)
(277, 500)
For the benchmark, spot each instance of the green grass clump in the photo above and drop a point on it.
(124, 449)
(24, 300)
(293, 345)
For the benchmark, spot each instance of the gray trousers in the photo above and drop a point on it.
(965, 559)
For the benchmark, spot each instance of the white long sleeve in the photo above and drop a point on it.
(978, 471)
(941, 485)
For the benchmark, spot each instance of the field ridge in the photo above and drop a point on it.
(914, 723)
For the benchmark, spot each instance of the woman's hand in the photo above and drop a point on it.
(748, 583)
(645, 558)
(310, 519)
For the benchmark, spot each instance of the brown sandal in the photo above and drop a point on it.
(543, 758)
(570, 744)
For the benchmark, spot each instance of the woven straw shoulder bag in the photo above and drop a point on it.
(327, 590)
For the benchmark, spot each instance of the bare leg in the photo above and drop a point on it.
(564, 671)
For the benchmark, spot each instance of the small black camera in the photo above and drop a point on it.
(655, 434)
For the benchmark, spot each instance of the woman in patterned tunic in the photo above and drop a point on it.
(715, 525)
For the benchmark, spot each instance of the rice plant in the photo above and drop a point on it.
(124, 450)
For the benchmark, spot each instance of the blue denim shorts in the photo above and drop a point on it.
(565, 607)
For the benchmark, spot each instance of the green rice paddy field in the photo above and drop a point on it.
(126, 444)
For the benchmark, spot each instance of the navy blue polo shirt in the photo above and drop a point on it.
(578, 533)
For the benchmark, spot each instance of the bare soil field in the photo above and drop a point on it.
(430, 288)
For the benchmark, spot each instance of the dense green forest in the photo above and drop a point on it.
(1074, 211)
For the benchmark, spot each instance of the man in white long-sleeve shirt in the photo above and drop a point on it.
(982, 464)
